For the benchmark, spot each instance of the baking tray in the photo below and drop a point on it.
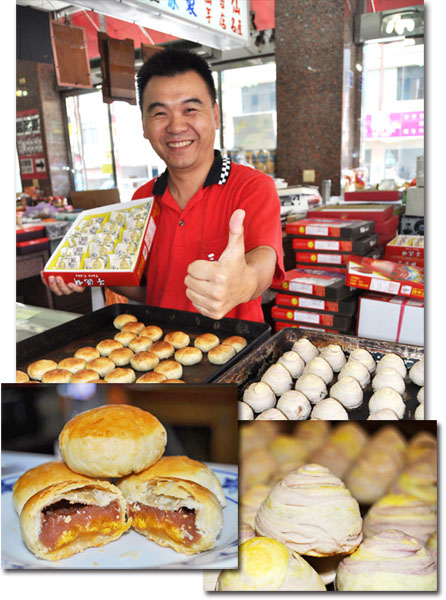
(62, 341)
(252, 367)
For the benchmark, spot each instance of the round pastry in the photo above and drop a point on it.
(88, 514)
(363, 356)
(350, 437)
(294, 405)
(178, 339)
(348, 392)
(120, 375)
(135, 327)
(311, 386)
(329, 409)
(102, 365)
(121, 320)
(171, 369)
(305, 349)
(37, 369)
(387, 397)
(271, 414)
(358, 371)
(416, 372)
(385, 414)
(206, 341)
(245, 412)
(419, 480)
(266, 564)
(395, 362)
(422, 447)
(312, 512)
(87, 353)
(404, 513)
(40, 477)
(56, 376)
(21, 377)
(107, 346)
(255, 435)
(389, 561)
(388, 377)
(420, 395)
(292, 362)
(144, 361)
(112, 441)
(219, 355)
(286, 448)
(72, 364)
(312, 433)
(153, 332)
(162, 349)
(121, 356)
(419, 412)
(189, 355)
(257, 467)
(259, 396)
(320, 367)
(174, 381)
(125, 337)
(335, 356)
(236, 341)
(152, 378)
(140, 344)
(84, 376)
(278, 378)
(332, 457)
(180, 467)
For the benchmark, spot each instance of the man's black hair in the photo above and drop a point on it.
(167, 63)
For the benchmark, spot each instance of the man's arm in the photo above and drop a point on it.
(58, 286)
(215, 288)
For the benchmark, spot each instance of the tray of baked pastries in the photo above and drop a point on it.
(302, 374)
(125, 343)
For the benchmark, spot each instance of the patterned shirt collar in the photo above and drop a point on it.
(218, 174)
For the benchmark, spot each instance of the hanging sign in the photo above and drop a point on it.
(30, 144)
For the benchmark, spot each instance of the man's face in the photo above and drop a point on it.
(180, 120)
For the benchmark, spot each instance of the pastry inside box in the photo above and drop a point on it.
(107, 245)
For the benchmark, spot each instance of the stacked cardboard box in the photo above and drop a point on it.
(406, 250)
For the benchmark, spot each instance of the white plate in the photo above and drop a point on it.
(132, 550)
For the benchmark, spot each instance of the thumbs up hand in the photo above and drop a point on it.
(215, 288)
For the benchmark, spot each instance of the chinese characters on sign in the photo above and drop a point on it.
(393, 125)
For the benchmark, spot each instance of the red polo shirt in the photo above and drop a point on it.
(201, 230)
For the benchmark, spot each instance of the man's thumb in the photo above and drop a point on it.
(236, 231)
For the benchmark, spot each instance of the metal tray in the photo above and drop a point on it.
(251, 368)
(63, 341)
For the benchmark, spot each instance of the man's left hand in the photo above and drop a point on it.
(215, 288)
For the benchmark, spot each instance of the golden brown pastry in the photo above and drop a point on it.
(219, 355)
(21, 377)
(140, 344)
(171, 369)
(112, 441)
(69, 517)
(188, 356)
(37, 369)
(144, 361)
(236, 341)
(107, 346)
(178, 339)
(121, 356)
(121, 320)
(125, 337)
(134, 327)
(206, 341)
(162, 349)
(172, 512)
(84, 376)
(153, 332)
(37, 478)
(152, 378)
(173, 380)
(120, 375)
(56, 376)
(102, 365)
(72, 364)
(87, 353)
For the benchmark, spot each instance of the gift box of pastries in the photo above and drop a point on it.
(279, 325)
(331, 260)
(405, 246)
(345, 307)
(333, 321)
(315, 282)
(108, 245)
(330, 228)
(371, 212)
(358, 246)
(385, 276)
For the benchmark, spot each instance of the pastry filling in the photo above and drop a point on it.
(177, 525)
(64, 522)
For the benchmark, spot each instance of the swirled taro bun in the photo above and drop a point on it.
(68, 517)
(112, 441)
(268, 565)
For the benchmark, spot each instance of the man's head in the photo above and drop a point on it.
(179, 112)
(167, 63)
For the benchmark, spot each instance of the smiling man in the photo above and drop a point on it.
(218, 244)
